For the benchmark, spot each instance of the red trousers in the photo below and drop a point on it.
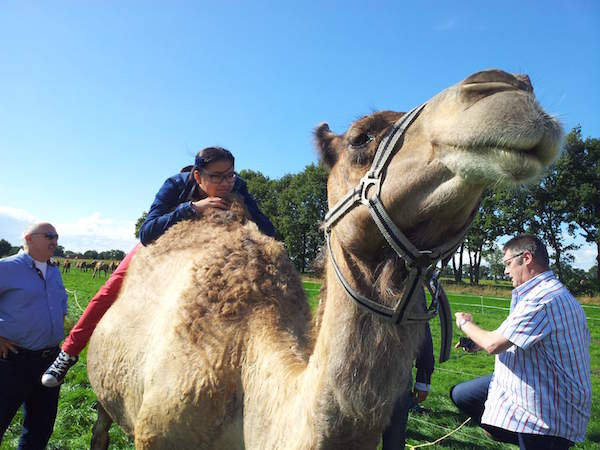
(82, 331)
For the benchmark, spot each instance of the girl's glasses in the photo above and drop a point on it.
(217, 178)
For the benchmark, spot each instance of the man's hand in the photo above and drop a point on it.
(210, 202)
(6, 346)
(462, 318)
(470, 347)
(419, 395)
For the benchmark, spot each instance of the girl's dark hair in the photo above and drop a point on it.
(211, 154)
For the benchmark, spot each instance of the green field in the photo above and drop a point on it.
(77, 404)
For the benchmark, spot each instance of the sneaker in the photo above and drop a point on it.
(55, 374)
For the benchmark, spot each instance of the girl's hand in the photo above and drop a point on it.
(5, 347)
(209, 202)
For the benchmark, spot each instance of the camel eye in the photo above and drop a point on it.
(361, 140)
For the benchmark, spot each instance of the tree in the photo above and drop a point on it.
(513, 209)
(302, 204)
(549, 200)
(139, 224)
(538, 209)
(495, 258)
(263, 190)
(579, 171)
(4, 247)
(486, 227)
(90, 254)
(59, 251)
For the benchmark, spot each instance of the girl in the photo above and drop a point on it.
(182, 197)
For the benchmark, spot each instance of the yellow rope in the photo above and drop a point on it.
(427, 444)
(75, 298)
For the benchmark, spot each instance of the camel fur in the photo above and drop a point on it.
(211, 345)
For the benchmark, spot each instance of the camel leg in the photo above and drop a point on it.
(100, 431)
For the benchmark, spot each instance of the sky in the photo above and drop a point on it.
(101, 101)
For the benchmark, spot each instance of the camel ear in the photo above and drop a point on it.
(324, 138)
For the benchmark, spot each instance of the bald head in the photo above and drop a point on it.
(40, 241)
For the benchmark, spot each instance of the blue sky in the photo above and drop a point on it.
(102, 101)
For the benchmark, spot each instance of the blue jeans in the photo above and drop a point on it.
(20, 384)
(394, 436)
(470, 396)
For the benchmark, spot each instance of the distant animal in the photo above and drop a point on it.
(210, 344)
(84, 265)
(113, 265)
(66, 267)
(99, 267)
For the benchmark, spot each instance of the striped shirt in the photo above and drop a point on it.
(541, 384)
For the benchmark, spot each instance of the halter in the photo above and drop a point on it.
(421, 263)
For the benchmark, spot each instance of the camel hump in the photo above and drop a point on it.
(234, 274)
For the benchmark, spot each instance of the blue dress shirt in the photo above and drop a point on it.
(32, 308)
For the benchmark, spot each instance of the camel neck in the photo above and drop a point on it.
(363, 365)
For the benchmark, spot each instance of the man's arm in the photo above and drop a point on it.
(491, 341)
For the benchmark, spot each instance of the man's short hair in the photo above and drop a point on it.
(532, 244)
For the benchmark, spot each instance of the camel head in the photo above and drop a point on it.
(485, 130)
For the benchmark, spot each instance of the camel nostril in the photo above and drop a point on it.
(488, 82)
(524, 82)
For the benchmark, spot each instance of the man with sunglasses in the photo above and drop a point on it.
(33, 305)
(539, 396)
(184, 196)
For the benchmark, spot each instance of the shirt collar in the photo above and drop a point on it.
(521, 290)
(27, 257)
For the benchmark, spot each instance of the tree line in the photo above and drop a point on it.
(296, 204)
(6, 249)
(565, 202)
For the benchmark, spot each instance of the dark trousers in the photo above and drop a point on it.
(470, 396)
(394, 436)
(20, 384)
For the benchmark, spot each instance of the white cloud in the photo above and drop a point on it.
(13, 222)
(92, 232)
(585, 257)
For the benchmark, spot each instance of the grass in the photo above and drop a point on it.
(77, 413)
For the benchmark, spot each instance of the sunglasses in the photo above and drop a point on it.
(50, 236)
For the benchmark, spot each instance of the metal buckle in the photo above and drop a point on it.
(365, 183)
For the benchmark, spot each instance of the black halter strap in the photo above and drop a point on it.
(422, 263)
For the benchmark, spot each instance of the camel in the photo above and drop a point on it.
(99, 267)
(210, 344)
(112, 266)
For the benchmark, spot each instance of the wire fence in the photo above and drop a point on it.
(483, 306)
(463, 375)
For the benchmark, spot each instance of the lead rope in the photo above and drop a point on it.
(74, 293)
(427, 444)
